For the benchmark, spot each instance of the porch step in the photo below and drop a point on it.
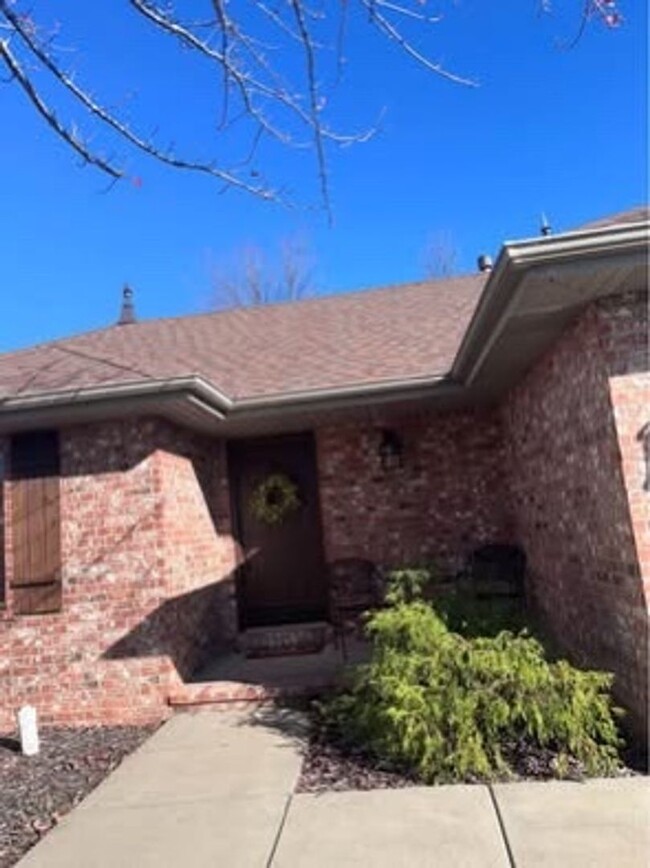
(232, 679)
(222, 695)
(285, 640)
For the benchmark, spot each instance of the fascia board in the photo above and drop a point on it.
(515, 258)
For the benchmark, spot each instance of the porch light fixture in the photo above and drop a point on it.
(391, 450)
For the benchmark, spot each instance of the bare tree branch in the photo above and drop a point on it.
(440, 257)
(66, 133)
(98, 111)
(274, 64)
(394, 34)
(251, 279)
(312, 89)
(605, 10)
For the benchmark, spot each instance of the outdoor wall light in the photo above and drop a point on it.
(391, 450)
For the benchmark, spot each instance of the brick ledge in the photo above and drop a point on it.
(225, 692)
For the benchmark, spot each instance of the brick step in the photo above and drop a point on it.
(285, 640)
(225, 694)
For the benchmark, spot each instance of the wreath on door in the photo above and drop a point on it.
(274, 499)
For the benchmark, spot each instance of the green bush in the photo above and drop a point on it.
(447, 707)
(407, 584)
(456, 601)
(470, 616)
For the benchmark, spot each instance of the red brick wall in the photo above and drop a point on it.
(577, 474)
(448, 497)
(199, 615)
(142, 569)
(148, 553)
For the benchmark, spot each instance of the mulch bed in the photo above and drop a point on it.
(328, 766)
(35, 792)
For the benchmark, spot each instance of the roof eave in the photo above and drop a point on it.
(181, 397)
(194, 400)
(190, 397)
(501, 294)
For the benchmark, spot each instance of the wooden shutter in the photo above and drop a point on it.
(36, 523)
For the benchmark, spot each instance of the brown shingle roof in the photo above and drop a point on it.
(633, 215)
(365, 337)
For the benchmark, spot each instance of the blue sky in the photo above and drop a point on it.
(547, 129)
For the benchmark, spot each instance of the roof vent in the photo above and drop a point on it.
(127, 311)
(484, 262)
(545, 226)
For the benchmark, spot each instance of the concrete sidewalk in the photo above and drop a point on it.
(216, 789)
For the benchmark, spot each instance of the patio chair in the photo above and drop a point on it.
(497, 570)
(355, 586)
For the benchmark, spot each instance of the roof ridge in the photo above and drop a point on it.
(312, 299)
(635, 214)
(57, 343)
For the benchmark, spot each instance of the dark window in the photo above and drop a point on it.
(35, 454)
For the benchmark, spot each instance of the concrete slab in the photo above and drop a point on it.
(206, 790)
(324, 666)
(202, 759)
(212, 789)
(169, 777)
(220, 729)
(449, 827)
(236, 834)
(598, 823)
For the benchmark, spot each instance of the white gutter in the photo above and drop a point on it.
(354, 392)
(501, 291)
(134, 389)
(202, 394)
(603, 240)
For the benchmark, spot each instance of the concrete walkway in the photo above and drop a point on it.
(215, 790)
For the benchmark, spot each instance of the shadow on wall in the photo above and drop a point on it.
(644, 439)
(185, 627)
(110, 447)
(188, 628)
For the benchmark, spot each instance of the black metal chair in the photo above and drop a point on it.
(355, 586)
(497, 570)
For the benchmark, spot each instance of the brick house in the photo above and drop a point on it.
(516, 400)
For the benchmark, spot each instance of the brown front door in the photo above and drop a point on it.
(283, 576)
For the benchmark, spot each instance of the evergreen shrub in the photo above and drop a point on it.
(448, 707)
